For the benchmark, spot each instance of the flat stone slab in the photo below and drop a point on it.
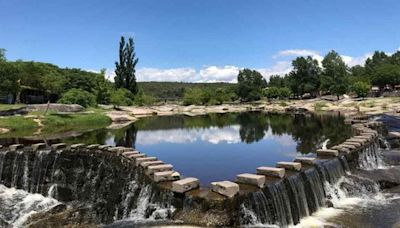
(146, 159)
(158, 168)
(251, 179)
(394, 134)
(93, 146)
(38, 146)
(328, 153)
(58, 146)
(128, 153)
(358, 140)
(296, 166)
(149, 163)
(135, 156)
(184, 185)
(369, 134)
(366, 137)
(305, 160)
(271, 171)
(357, 144)
(341, 149)
(15, 147)
(77, 146)
(119, 149)
(166, 176)
(351, 147)
(104, 147)
(226, 188)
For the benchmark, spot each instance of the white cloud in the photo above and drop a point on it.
(357, 60)
(173, 74)
(218, 74)
(299, 52)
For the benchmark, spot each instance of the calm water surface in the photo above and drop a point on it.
(219, 146)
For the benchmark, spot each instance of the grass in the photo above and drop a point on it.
(9, 106)
(319, 105)
(18, 126)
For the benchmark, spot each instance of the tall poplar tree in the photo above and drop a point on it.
(335, 75)
(125, 69)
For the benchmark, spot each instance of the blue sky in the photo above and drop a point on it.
(197, 40)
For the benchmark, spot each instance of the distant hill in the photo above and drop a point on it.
(175, 90)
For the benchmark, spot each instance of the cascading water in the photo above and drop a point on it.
(285, 202)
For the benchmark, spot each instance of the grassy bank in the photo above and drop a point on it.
(18, 126)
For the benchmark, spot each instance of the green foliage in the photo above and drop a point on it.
(122, 97)
(250, 85)
(305, 76)
(197, 96)
(3, 55)
(276, 81)
(277, 92)
(9, 79)
(334, 77)
(361, 88)
(67, 122)
(78, 96)
(142, 99)
(125, 68)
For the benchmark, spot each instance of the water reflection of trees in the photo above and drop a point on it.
(309, 131)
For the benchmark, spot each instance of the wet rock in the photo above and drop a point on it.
(329, 203)
(12, 112)
(387, 178)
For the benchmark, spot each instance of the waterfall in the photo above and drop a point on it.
(371, 158)
(2, 159)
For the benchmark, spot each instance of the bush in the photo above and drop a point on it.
(276, 92)
(143, 99)
(121, 97)
(78, 96)
(193, 97)
(361, 88)
(205, 96)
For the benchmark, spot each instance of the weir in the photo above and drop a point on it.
(115, 185)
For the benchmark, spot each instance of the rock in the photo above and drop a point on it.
(306, 160)
(77, 146)
(129, 153)
(138, 161)
(328, 153)
(329, 203)
(38, 146)
(120, 116)
(295, 166)
(93, 146)
(15, 147)
(158, 168)
(4, 130)
(166, 176)
(15, 111)
(271, 171)
(149, 163)
(58, 146)
(226, 188)
(184, 185)
(55, 107)
(251, 179)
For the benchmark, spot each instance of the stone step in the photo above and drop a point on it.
(305, 160)
(271, 171)
(104, 147)
(135, 156)
(251, 179)
(15, 147)
(226, 188)
(357, 140)
(350, 147)
(186, 184)
(357, 144)
(58, 146)
(373, 135)
(77, 146)
(295, 166)
(149, 163)
(166, 176)
(158, 168)
(119, 149)
(146, 159)
(368, 138)
(38, 146)
(328, 153)
(128, 153)
(341, 149)
(93, 146)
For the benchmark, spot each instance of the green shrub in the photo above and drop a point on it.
(277, 92)
(361, 88)
(143, 99)
(78, 96)
(121, 97)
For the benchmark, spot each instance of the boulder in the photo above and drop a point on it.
(166, 176)
(184, 185)
(226, 188)
(55, 108)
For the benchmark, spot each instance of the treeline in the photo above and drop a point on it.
(334, 77)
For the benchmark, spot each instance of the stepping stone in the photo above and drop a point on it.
(58, 146)
(368, 138)
(128, 153)
(158, 168)
(306, 160)
(166, 176)
(328, 153)
(119, 149)
(371, 134)
(15, 147)
(271, 171)
(38, 146)
(93, 146)
(104, 147)
(357, 144)
(351, 147)
(341, 149)
(135, 156)
(77, 146)
(356, 140)
(295, 166)
(184, 185)
(146, 159)
(149, 163)
(251, 179)
(226, 188)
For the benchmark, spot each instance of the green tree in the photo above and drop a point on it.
(121, 97)
(335, 76)
(3, 55)
(276, 81)
(125, 68)
(78, 96)
(386, 73)
(305, 76)
(250, 85)
(9, 81)
(361, 88)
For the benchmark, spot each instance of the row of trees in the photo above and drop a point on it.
(331, 76)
